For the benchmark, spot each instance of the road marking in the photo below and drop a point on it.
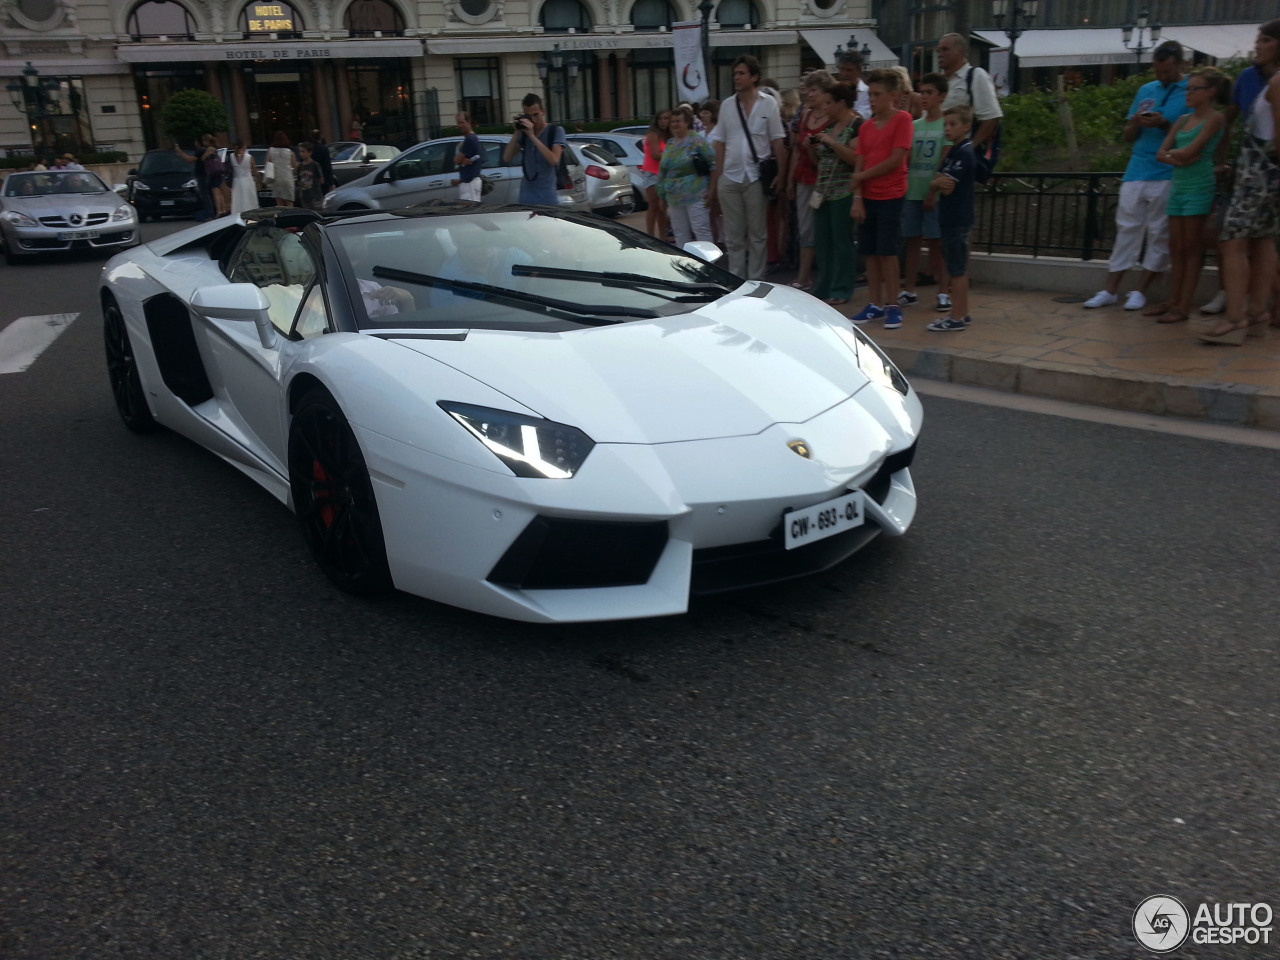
(28, 337)
(1200, 429)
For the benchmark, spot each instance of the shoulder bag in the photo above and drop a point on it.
(766, 168)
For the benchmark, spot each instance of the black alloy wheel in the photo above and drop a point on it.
(333, 498)
(122, 369)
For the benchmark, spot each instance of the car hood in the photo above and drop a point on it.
(760, 356)
(60, 204)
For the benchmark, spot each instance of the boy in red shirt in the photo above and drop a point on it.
(879, 190)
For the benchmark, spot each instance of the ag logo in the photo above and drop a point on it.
(800, 447)
(1161, 923)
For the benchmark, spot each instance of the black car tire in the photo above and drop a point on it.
(122, 370)
(334, 499)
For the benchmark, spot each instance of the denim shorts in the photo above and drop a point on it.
(919, 222)
(645, 179)
(880, 234)
(955, 250)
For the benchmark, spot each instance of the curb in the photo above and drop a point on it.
(1233, 404)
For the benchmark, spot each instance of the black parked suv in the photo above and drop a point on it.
(164, 184)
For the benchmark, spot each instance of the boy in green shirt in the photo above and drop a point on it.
(920, 214)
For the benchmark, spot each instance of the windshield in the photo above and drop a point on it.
(348, 152)
(162, 162)
(517, 270)
(51, 183)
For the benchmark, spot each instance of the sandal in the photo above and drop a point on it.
(838, 302)
(1171, 316)
(1233, 334)
(801, 286)
(1158, 309)
(1257, 329)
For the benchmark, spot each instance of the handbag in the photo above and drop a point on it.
(701, 165)
(815, 199)
(268, 171)
(766, 168)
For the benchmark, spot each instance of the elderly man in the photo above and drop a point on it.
(850, 64)
(1144, 194)
(750, 130)
(969, 86)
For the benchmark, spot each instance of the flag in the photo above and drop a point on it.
(691, 74)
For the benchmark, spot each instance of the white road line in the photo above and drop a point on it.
(1200, 429)
(28, 337)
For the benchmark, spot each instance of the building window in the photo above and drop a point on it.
(649, 16)
(652, 82)
(373, 18)
(154, 88)
(382, 100)
(737, 15)
(561, 16)
(479, 89)
(38, 10)
(273, 19)
(161, 20)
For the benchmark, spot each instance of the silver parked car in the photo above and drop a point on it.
(351, 161)
(50, 210)
(629, 150)
(609, 187)
(427, 172)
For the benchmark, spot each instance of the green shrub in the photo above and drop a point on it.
(190, 114)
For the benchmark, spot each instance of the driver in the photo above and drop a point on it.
(379, 300)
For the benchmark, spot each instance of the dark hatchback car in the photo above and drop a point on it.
(163, 185)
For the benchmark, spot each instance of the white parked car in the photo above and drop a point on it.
(427, 172)
(536, 414)
(609, 188)
(629, 151)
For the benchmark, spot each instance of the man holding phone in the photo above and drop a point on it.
(1144, 194)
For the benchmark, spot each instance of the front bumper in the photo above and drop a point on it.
(696, 516)
(99, 236)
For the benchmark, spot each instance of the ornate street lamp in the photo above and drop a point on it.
(35, 100)
(864, 53)
(1128, 30)
(705, 8)
(1024, 12)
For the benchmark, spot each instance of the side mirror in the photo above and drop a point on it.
(703, 250)
(237, 301)
(120, 189)
(133, 172)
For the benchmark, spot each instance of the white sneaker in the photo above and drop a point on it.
(1217, 305)
(1100, 299)
(1135, 300)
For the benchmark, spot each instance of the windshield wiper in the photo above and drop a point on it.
(615, 279)
(516, 297)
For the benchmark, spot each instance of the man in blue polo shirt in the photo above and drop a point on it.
(1140, 215)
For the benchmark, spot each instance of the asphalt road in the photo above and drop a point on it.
(990, 739)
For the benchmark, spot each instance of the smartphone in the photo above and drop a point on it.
(1146, 106)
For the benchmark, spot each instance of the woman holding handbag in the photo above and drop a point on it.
(281, 164)
(683, 176)
(833, 230)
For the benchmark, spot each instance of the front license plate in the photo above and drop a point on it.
(79, 235)
(822, 520)
(167, 203)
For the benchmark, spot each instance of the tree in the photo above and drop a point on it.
(191, 114)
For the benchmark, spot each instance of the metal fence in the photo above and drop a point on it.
(1047, 214)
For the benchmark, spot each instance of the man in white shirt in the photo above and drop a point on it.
(850, 64)
(735, 181)
(953, 52)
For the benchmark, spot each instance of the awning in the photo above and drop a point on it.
(249, 51)
(1066, 48)
(1222, 41)
(65, 67)
(621, 42)
(824, 43)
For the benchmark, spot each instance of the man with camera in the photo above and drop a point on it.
(751, 157)
(540, 145)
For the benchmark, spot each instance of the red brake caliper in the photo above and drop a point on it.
(318, 473)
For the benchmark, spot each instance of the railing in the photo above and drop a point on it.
(1047, 214)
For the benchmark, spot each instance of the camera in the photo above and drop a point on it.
(523, 116)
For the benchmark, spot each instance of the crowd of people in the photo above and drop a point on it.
(230, 179)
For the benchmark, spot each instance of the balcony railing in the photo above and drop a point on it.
(1047, 214)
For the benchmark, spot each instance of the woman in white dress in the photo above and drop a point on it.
(283, 165)
(244, 180)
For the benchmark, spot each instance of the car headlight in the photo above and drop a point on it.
(190, 184)
(873, 361)
(139, 185)
(529, 446)
(123, 212)
(19, 219)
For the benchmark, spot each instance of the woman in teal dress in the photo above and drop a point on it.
(1189, 147)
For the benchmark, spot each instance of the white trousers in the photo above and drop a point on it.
(689, 221)
(1141, 216)
(470, 189)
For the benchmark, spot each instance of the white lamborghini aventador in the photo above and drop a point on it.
(531, 413)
